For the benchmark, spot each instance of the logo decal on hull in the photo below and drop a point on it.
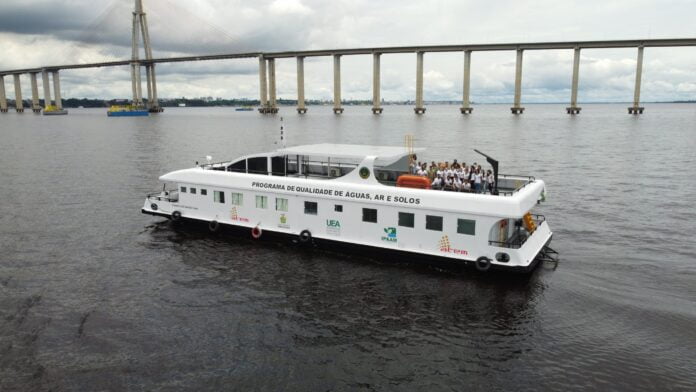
(445, 246)
(283, 221)
(235, 217)
(333, 227)
(390, 234)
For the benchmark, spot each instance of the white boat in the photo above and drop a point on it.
(345, 197)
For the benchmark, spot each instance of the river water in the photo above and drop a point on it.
(95, 295)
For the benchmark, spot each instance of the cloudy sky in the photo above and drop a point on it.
(34, 33)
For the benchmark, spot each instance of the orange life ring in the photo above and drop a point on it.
(256, 232)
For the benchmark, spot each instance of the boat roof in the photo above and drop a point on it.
(348, 150)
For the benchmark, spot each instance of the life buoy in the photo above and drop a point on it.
(305, 236)
(256, 232)
(176, 216)
(483, 263)
(213, 226)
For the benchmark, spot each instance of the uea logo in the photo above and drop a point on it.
(391, 234)
(283, 219)
(333, 223)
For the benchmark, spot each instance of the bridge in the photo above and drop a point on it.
(267, 78)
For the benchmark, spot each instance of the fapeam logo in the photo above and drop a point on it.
(391, 234)
(444, 245)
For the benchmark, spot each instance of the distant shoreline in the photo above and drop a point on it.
(219, 102)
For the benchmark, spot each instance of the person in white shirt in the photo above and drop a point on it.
(437, 182)
(466, 186)
(490, 181)
(456, 183)
(477, 182)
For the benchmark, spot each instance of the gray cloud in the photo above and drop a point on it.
(41, 32)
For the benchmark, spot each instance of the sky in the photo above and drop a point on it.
(35, 33)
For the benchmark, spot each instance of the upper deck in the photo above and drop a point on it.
(339, 162)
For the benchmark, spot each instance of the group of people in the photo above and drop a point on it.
(455, 176)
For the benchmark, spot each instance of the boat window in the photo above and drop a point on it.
(258, 165)
(281, 204)
(204, 192)
(237, 199)
(466, 226)
(369, 215)
(239, 166)
(183, 189)
(192, 190)
(261, 201)
(338, 207)
(310, 208)
(406, 219)
(278, 166)
(433, 222)
(219, 196)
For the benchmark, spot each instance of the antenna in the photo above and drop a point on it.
(282, 136)
(408, 140)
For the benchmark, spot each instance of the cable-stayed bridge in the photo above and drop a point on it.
(267, 74)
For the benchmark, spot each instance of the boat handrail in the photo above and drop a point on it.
(172, 195)
(517, 240)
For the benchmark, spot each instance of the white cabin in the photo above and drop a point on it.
(347, 195)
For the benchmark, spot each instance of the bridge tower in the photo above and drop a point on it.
(140, 29)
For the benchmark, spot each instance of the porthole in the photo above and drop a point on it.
(502, 257)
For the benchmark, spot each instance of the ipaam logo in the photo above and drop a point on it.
(391, 234)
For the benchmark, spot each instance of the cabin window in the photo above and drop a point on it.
(369, 215)
(237, 199)
(239, 166)
(258, 165)
(310, 208)
(406, 219)
(433, 222)
(192, 190)
(261, 201)
(219, 196)
(466, 226)
(278, 166)
(338, 207)
(281, 204)
(183, 189)
(204, 192)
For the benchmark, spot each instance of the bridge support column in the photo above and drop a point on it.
(148, 84)
(56, 92)
(46, 89)
(376, 79)
(420, 108)
(263, 86)
(466, 104)
(636, 108)
(3, 98)
(272, 86)
(19, 104)
(155, 108)
(301, 108)
(337, 109)
(573, 108)
(516, 108)
(35, 106)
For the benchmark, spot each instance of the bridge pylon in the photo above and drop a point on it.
(140, 29)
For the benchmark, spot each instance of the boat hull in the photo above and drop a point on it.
(129, 113)
(61, 112)
(392, 255)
